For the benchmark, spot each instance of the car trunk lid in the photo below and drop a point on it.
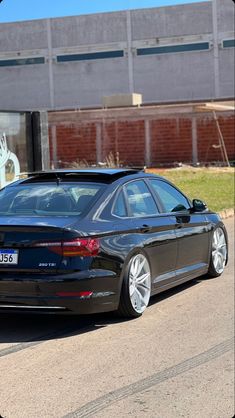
(20, 240)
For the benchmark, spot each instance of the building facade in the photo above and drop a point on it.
(168, 54)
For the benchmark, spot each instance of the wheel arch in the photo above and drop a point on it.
(131, 254)
(219, 224)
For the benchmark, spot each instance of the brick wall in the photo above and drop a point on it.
(92, 135)
(208, 138)
(76, 141)
(171, 140)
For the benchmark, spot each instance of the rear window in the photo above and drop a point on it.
(49, 200)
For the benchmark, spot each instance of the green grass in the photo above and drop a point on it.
(213, 186)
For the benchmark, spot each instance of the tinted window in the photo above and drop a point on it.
(140, 200)
(120, 206)
(171, 198)
(48, 200)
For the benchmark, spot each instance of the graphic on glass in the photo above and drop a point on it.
(9, 163)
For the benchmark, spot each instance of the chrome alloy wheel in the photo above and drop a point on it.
(219, 250)
(139, 283)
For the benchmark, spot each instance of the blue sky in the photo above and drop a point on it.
(15, 10)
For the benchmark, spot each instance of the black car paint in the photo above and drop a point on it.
(177, 246)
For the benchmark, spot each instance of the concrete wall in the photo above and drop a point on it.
(175, 76)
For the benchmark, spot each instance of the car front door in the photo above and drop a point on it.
(154, 232)
(192, 229)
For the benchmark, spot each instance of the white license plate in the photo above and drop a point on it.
(9, 257)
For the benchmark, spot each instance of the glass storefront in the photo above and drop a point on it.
(13, 146)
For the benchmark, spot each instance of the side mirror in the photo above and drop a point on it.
(198, 205)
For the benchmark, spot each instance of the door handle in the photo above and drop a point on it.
(179, 222)
(145, 228)
(182, 220)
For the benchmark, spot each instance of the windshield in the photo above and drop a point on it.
(49, 199)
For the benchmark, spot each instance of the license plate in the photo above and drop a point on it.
(9, 257)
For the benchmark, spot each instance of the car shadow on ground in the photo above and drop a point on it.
(27, 328)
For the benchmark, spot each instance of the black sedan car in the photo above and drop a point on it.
(84, 241)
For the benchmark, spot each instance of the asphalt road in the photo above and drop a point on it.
(175, 361)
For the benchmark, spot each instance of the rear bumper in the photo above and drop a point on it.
(42, 294)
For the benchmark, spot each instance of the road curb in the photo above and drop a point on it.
(226, 213)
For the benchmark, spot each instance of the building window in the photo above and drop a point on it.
(171, 49)
(229, 43)
(22, 61)
(90, 56)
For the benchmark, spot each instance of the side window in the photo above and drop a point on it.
(120, 206)
(140, 200)
(172, 199)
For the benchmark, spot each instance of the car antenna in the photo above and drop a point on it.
(58, 179)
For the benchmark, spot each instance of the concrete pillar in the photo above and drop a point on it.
(147, 142)
(129, 52)
(215, 49)
(194, 141)
(54, 146)
(40, 141)
(50, 65)
(98, 143)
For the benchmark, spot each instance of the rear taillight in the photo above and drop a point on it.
(83, 247)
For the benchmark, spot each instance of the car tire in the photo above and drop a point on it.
(136, 287)
(219, 253)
